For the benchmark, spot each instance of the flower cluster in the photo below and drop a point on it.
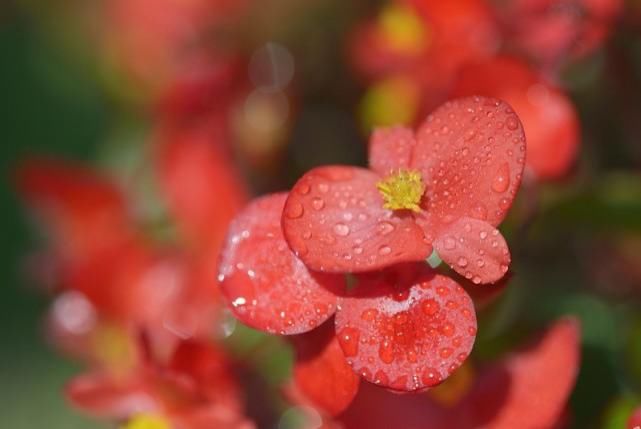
(418, 53)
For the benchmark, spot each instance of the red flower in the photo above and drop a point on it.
(115, 276)
(548, 115)
(194, 389)
(553, 31)
(425, 38)
(406, 328)
(527, 389)
(448, 185)
(151, 40)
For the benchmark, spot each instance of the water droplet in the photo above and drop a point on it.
(294, 210)
(476, 280)
(385, 228)
(303, 189)
(381, 378)
(307, 235)
(483, 235)
(318, 203)
(348, 338)
(430, 307)
(449, 243)
(447, 329)
(386, 351)
(480, 263)
(341, 229)
(462, 262)
(445, 352)
(479, 211)
(384, 250)
(501, 180)
(369, 315)
(430, 377)
(323, 188)
(504, 203)
(358, 250)
(512, 123)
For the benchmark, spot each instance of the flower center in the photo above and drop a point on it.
(404, 29)
(147, 421)
(402, 190)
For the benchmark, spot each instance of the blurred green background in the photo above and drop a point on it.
(36, 116)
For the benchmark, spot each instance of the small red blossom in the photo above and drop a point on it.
(448, 186)
(405, 328)
(549, 118)
(552, 31)
(152, 40)
(193, 389)
(425, 39)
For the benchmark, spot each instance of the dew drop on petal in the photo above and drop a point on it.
(449, 243)
(385, 228)
(501, 180)
(318, 203)
(348, 338)
(384, 250)
(294, 210)
(341, 229)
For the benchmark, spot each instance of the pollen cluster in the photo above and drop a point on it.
(402, 190)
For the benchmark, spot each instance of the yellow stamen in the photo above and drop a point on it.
(147, 421)
(402, 190)
(404, 29)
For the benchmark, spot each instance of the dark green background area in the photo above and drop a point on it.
(35, 118)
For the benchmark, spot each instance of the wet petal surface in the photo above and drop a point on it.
(474, 249)
(334, 221)
(406, 332)
(264, 283)
(471, 152)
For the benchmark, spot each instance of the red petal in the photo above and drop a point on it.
(321, 372)
(334, 221)
(209, 367)
(549, 118)
(376, 408)
(84, 211)
(267, 287)
(531, 386)
(406, 334)
(390, 149)
(471, 152)
(103, 396)
(203, 190)
(474, 249)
